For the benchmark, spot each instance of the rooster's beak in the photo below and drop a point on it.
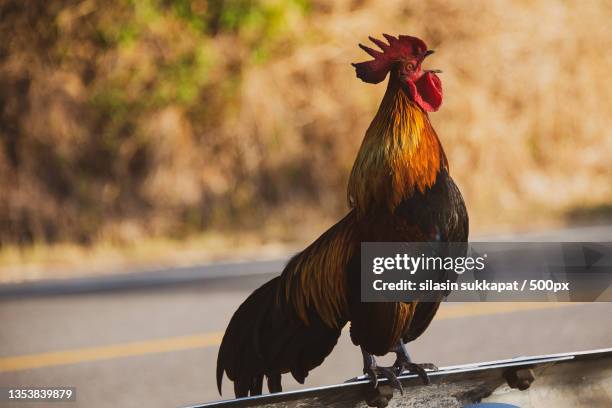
(428, 53)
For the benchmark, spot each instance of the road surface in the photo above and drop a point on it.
(157, 346)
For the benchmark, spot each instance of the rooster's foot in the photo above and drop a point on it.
(404, 363)
(372, 370)
(419, 369)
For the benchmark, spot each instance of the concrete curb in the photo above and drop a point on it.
(143, 279)
(156, 277)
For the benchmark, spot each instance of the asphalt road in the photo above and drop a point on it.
(157, 346)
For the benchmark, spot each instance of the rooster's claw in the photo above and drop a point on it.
(374, 372)
(402, 365)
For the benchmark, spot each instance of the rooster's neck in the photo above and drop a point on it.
(399, 156)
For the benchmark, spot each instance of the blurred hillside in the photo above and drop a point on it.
(128, 119)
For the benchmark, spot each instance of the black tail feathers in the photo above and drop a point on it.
(265, 338)
(240, 354)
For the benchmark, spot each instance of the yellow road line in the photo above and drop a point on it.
(138, 348)
(171, 344)
(457, 310)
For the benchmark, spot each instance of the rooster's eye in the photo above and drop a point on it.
(409, 66)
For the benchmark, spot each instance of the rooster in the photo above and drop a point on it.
(399, 190)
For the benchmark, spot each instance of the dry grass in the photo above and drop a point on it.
(260, 132)
(62, 261)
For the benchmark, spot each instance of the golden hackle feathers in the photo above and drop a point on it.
(316, 277)
(399, 155)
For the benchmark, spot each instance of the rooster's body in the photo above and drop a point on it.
(399, 190)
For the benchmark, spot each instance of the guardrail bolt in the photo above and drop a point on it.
(519, 378)
(378, 397)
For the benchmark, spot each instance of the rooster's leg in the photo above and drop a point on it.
(371, 369)
(403, 362)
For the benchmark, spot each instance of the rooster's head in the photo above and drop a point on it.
(403, 57)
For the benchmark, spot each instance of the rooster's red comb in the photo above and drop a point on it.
(400, 48)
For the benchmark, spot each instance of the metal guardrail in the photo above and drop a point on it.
(558, 380)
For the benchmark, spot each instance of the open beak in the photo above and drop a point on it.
(427, 54)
